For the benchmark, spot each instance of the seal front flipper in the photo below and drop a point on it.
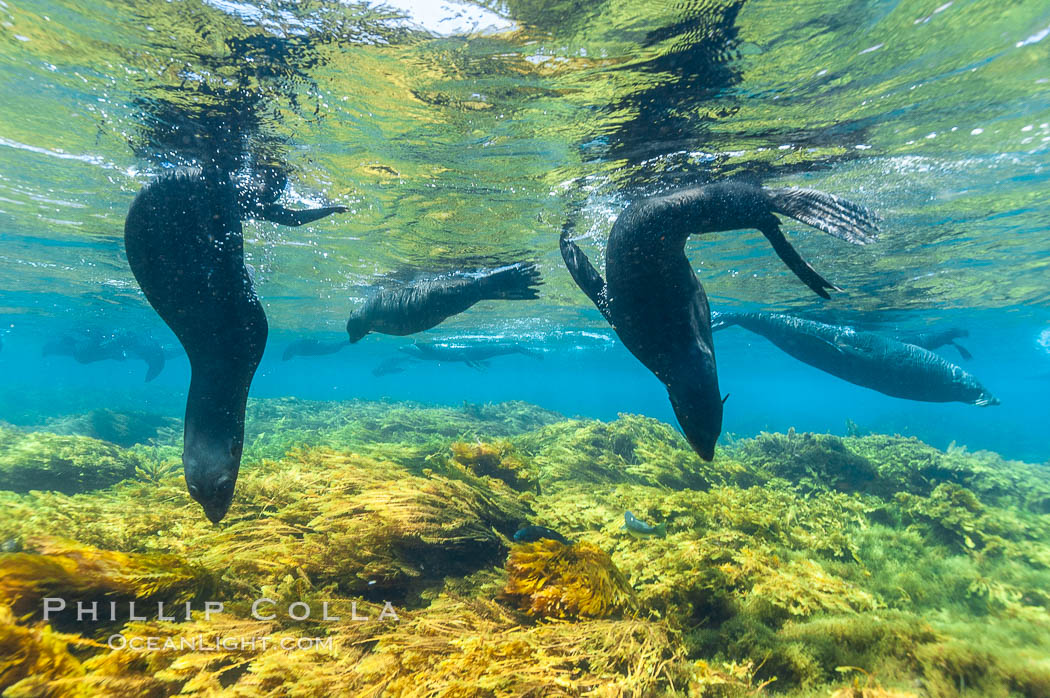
(790, 256)
(585, 275)
(286, 216)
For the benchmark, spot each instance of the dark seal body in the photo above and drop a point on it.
(657, 306)
(91, 345)
(935, 339)
(467, 353)
(184, 243)
(660, 312)
(867, 359)
(427, 303)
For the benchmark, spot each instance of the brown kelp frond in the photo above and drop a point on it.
(35, 660)
(462, 647)
(548, 579)
(496, 459)
(76, 572)
(787, 557)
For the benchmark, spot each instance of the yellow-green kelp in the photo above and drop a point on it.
(794, 564)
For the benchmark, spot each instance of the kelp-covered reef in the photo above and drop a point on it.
(794, 564)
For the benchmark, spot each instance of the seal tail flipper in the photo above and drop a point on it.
(827, 212)
(584, 274)
(515, 282)
(963, 351)
(790, 256)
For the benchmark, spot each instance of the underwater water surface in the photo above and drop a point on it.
(842, 541)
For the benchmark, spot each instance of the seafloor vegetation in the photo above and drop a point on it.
(794, 564)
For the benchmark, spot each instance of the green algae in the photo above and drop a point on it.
(794, 564)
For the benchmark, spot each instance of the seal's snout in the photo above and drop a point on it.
(701, 421)
(215, 499)
(211, 481)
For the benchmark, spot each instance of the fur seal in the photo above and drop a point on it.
(185, 246)
(657, 306)
(867, 359)
(471, 354)
(427, 303)
(311, 347)
(938, 338)
(89, 345)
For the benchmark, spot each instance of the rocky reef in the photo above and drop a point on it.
(379, 539)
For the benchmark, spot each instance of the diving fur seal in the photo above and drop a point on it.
(867, 359)
(185, 246)
(935, 339)
(312, 347)
(90, 345)
(654, 301)
(427, 303)
(471, 354)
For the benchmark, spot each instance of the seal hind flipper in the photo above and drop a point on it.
(790, 256)
(963, 351)
(585, 275)
(826, 212)
(516, 282)
(153, 354)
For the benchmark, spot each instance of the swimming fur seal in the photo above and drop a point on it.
(312, 347)
(427, 303)
(938, 338)
(90, 345)
(184, 243)
(471, 354)
(657, 306)
(867, 359)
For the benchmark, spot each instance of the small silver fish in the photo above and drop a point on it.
(639, 529)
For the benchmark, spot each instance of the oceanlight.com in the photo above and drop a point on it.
(201, 643)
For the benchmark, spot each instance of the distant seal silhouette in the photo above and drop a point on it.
(312, 347)
(657, 306)
(89, 345)
(935, 339)
(391, 365)
(185, 246)
(472, 354)
(867, 359)
(427, 303)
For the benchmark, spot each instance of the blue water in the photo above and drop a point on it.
(589, 375)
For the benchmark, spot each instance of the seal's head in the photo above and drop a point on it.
(211, 473)
(986, 399)
(699, 413)
(357, 327)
